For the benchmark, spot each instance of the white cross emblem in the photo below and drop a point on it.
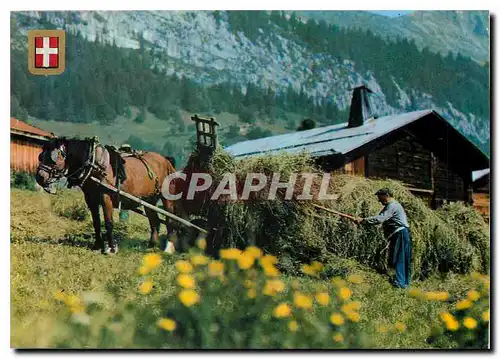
(46, 50)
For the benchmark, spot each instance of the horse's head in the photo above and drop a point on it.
(52, 162)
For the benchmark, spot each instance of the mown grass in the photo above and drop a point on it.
(49, 254)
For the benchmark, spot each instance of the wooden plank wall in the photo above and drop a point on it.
(24, 154)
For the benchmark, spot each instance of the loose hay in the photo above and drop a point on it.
(452, 239)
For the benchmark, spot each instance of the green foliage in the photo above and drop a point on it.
(22, 180)
(70, 206)
(257, 132)
(141, 117)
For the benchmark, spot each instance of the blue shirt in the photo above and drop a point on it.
(391, 217)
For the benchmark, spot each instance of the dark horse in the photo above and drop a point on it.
(77, 160)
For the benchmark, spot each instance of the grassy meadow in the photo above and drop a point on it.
(65, 296)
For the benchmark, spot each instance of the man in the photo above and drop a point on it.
(395, 226)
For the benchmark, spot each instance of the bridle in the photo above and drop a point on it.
(77, 177)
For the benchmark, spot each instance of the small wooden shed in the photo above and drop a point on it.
(26, 143)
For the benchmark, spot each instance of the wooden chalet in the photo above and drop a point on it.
(26, 143)
(419, 148)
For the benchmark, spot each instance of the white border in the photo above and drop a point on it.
(184, 5)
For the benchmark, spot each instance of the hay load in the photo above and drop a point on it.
(454, 238)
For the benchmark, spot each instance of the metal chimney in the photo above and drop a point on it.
(360, 110)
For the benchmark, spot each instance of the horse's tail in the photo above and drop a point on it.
(171, 160)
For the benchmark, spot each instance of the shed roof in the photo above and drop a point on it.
(327, 140)
(23, 128)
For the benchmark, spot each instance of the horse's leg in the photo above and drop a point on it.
(93, 205)
(154, 224)
(171, 235)
(107, 207)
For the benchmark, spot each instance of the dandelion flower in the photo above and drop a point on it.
(74, 304)
(353, 316)
(473, 295)
(351, 306)
(452, 325)
(400, 327)
(355, 278)
(323, 298)
(337, 319)
(146, 287)
(188, 297)
(317, 266)
(339, 282)
(252, 293)
(199, 260)
(186, 281)
(254, 251)
(293, 326)
(486, 316)
(215, 268)
(245, 260)
(183, 266)
(440, 296)
(268, 259)
(202, 243)
(302, 301)
(309, 270)
(463, 304)
(60, 295)
(470, 323)
(143, 270)
(230, 253)
(338, 338)
(167, 324)
(273, 287)
(271, 271)
(344, 293)
(151, 260)
(283, 310)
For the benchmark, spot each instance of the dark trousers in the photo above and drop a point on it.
(400, 257)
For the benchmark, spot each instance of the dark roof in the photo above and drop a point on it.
(20, 127)
(428, 125)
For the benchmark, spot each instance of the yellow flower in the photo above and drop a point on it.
(352, 306)
(486, 316)
(167, 324)
(146, 287)
(344, 293)
(230, 253)
(337, 319)
(199, 260)
(268, 259)
(188, 297)
(476, 276)
(183, 266)
(186, 281)
(442, 296)
(293, 326)
(355, 278)
(252, 293)
(446, 316)
(202, 243)
(353, 316)
(245, 260)
(473, 295)
(401, 327)
(282, 310)
(309, 270)
(60, 295)
(414, 292)
(470, 323)
(452, 325)
(339, 282)
(271, 271)
(254, 251)
(323, 298)
(215, 268)
(302, 301)
(74, 304)
(143, 270)
(463, 304)
(273, 286)
(317, 266)
(295, 284)
(151, 260)
(338, 338)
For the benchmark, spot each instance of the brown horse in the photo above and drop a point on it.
(77, 160)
